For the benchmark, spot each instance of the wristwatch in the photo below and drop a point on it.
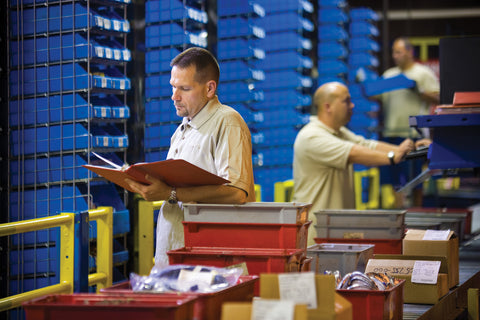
(391, 157)
(173, 196)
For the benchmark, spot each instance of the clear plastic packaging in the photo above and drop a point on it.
(185, 278)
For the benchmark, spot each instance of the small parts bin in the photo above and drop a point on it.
(251, 212)
(360, 224)
(257, 260)
(207, 305)
(82, 306)
(343, 257)
(376, 304)
(246, 235)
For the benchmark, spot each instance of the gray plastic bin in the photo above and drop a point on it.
(360, 218)
(344, 257)
(251, 212)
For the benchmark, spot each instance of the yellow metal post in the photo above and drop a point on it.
(145, 235)
(67, 250)
(258, 192)
(373, 174)
(283, 191)
(104, 218)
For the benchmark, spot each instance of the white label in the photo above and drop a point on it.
(187, 278)
(107, 23)
(436, 235)
(266, 309)
(104, 82)
(298, 287)
(425, 272)
(108, 53)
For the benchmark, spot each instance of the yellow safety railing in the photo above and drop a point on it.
(143, 235)
(283, 191)
(373, 175)
(66, 222)
(103, 277)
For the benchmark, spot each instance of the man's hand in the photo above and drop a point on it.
(405, 147)
(425, 142)
(157, 190)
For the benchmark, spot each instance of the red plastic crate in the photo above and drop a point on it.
(207, 305)
(382, 246)
(367, 304)
(257, 260)
(246, 235)
(83, 306)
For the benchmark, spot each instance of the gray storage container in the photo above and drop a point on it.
(360, 218)
(344, 257)
(250, 212)
(360, 232)
(451, 221)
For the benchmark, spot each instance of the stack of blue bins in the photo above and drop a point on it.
(333, 41)
(363, 66)
(171, 27)
(287, 88)
(238, 53)
(67, 97)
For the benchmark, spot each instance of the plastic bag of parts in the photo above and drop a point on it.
(185, 278)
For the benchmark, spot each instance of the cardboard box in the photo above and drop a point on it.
(401, 267)
(243, 311)
(330, 305)
(414, 245)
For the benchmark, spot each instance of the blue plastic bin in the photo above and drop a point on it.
(159, 60)
(235, 8)
(332, 16)
(237, 70)
(284, 60)
(332, 33)
(284, 79)
(239, 26)
(239, 49)
(285, 21)
(280, 99)
(34, 260)
(285, 41)
(363, 44)
(273, 6)
(172, 34)
(363, 28)
(363, 14)
(332, 50)
(160, 11)
(239, 91)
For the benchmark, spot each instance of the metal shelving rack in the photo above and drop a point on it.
(67, 98)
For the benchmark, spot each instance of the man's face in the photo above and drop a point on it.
(401, 56)
(188, 95)
(342, 106)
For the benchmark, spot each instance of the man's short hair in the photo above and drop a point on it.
(206, 65)
(406, 42)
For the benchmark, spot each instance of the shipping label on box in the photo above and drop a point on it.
(402, 267)
(414, 244)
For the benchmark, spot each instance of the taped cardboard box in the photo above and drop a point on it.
(330, 305)
(401, 267)
(243, 311)
(413, 244)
